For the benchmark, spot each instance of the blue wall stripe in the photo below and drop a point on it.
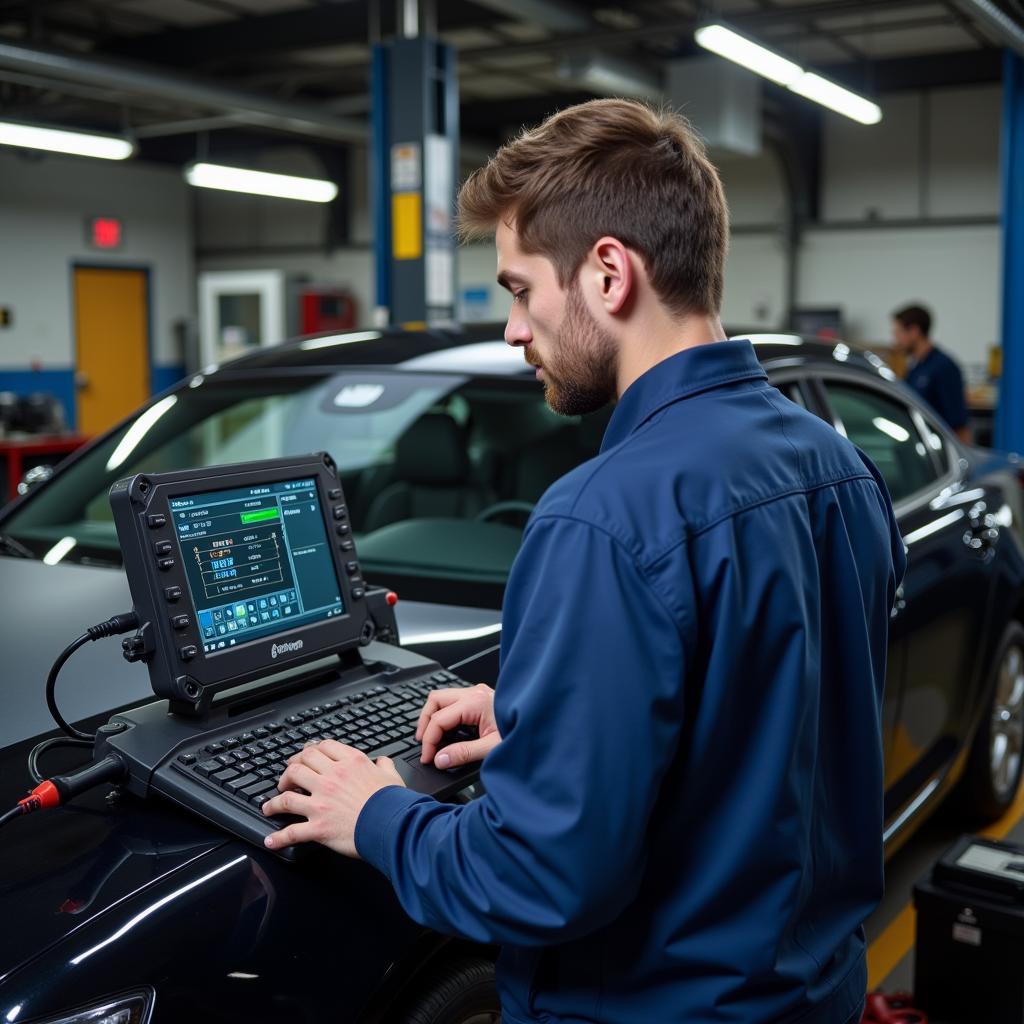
(61, 382)
(1009, 427)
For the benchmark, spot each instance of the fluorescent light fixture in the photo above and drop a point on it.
(732, 46)
(59, 140)
(836, 98)
(762, 61)
(260, 183)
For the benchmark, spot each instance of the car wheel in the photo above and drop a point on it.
(994, 766)
(462, 991)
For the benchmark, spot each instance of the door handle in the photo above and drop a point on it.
(81, 380)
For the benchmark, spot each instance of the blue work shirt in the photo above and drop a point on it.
(683, 821)
(937, 379)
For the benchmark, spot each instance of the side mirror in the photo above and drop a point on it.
(34, 477)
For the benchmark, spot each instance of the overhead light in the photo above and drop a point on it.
(836, 98)
(731, 45)
(762, 61)
(260, 183)
(59, 140)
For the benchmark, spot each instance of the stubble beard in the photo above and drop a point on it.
(581, 377)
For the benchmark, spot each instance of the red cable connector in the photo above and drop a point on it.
(44, 796)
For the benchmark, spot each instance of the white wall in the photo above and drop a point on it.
(934, 157)
(44, 204)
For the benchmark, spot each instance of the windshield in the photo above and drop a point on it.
(440, 471)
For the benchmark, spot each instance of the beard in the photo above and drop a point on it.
(581, 374)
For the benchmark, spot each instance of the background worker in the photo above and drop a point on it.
(933, 374)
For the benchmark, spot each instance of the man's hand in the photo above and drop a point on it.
(337, 780)
(448, 709)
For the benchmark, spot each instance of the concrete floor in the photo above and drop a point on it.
(890, 930)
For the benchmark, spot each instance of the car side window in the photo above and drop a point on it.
(884, 430)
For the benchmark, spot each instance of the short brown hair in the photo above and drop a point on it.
(914, 316)
(610, 167)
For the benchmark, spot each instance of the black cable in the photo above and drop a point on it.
(41, 748)
(51, 684)
(14, 812)
(123, 623)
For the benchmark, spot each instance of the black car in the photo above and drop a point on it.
(120, 910)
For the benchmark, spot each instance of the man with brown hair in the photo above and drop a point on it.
(683, 810)
(932, 374)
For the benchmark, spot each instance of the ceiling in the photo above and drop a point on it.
(178, 73)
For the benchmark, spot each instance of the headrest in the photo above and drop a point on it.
(432, 451)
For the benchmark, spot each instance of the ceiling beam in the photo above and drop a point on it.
(138, 80)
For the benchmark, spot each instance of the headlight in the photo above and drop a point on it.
(131, 1008)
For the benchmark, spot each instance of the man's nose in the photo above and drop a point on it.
(517, 331)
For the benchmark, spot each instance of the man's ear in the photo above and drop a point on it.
(611, 265)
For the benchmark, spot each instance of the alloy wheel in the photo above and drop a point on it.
(1006, 744)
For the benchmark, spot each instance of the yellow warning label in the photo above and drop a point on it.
(407, 226)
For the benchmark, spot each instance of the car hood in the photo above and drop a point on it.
(61, 868)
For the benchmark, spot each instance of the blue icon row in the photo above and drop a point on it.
(243, 615)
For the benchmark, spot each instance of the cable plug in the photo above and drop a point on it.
(123, 623)
(61, 788)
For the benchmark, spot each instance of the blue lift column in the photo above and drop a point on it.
(413, 171)
(1009, 432)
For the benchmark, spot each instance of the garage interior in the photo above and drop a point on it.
(122, 276)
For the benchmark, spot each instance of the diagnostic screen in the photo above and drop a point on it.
(257, 561)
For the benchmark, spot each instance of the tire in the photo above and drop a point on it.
(995, 764)
(460, 991)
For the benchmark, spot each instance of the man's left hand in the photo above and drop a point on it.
(337, 781)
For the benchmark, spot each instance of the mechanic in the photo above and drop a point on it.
(933, 374)
(683, 810)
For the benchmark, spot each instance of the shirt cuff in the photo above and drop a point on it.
(376, 819)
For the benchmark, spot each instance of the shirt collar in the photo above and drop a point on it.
(680, 376)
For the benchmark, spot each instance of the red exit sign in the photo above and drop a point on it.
(105, 232)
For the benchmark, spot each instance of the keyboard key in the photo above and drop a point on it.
(187, 758)
(226, 759)
(261, 732)
(208, 767)
(245, 766)
(224, 775)
(256, 788)
(215, 748)
(234, 785)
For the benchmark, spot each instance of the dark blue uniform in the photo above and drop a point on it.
(937, 379)
(683, 822)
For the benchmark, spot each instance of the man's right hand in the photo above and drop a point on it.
(446, 710)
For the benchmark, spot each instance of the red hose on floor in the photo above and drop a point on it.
(897, 1008)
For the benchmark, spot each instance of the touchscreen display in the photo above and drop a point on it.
(257, 560)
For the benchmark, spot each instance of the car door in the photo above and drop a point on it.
(939, 615)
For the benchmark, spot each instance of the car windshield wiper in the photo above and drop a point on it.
(14, 547)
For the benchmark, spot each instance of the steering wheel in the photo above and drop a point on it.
(519, 510)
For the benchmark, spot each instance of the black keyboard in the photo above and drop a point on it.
(378, 720)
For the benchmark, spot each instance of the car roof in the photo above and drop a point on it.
(478, 349)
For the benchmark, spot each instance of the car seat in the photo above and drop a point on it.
(432, 472)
